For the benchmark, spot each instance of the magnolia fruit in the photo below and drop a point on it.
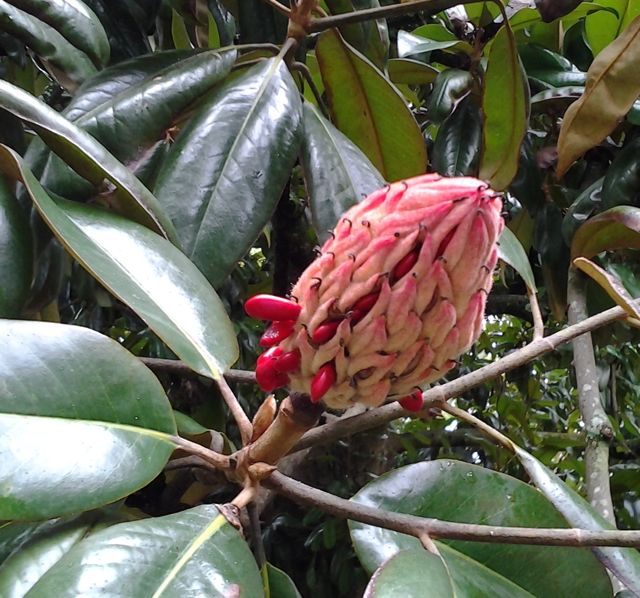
(396, 295)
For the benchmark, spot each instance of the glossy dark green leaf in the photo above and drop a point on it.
(410, 44)
(610, 91)
(416, 572)
(556, 98)
(505, 107)
(410, 72)
(224, 175)
(224, 21)
(14, 534)
(450, 86)
(623, 562)
(457, 491)
(48, 43)
(526, 17)
(621, 184)
(457, 147)
(280, 584)
(511, 251)
(610, 283)
(192, 553)
(369, 37)
(617, 228)
(131, 122)
(146, 272)
(93, 418)
(85, 155)
(587, 202)
(338, 175)
(369, 110)
(126, 25)
(47, 543)
(16, 254)
(75, 21)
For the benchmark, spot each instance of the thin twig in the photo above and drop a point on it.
(387, 413)
(244, 425)
(179, 368)
(394, 10)
(216, 459)
(538, 324)
(417, 526)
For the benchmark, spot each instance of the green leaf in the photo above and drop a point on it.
(624, 563)
(617, 228)
(611, 89)
(449, 88)
(129, 121)
(43, 546)
(16, 254)
(87, 157)
(410, 72)
(456, 491)
(192, 553)
(280, 584)
(587, 202)
(603, 28)
(97, 433)
(369, 110)
(621, 185)
(48, 43)
(416, 572)
(145, 271)
(457, 147)
(188, 426)
(224, 175)
(369, 37)
(505, 108)
(410, 44)
(610, 283)
(511, 251)
(75, 21)
(338, 175)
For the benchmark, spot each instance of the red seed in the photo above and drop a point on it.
(269, 355)
(367, 302)
(287, 362)
(270, 307)
(322, 381)
(362, 306)
(268, 378)
(412, 402)
(325, 332)
(276, 333)
(445, 241)
(405, 265)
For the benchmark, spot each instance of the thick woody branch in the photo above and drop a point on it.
(395, 10)
(387, 413)
(595, 419)
(434, 528)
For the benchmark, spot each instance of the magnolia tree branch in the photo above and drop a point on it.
(179, 368)
(387, 413)
(595, 419)
(420, 526)
(394, 10)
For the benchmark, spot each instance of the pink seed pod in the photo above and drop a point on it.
(396, 295)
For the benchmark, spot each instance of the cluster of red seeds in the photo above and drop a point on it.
(396, 294)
